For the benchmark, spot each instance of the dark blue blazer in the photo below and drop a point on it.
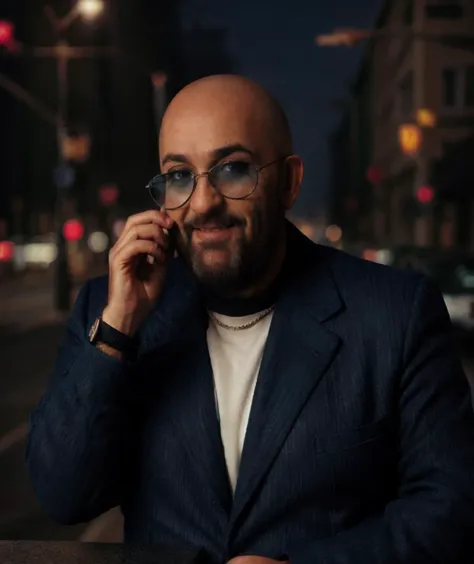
(360, 444)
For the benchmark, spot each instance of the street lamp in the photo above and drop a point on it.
(69, 149)
(90, 9)
(64, 176)
(349, 37)
(342, 37)
(86, 9)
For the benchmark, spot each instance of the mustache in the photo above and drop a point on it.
(219, 219)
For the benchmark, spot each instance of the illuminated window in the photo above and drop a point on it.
(458, 88)
(451, 88)
(445, 10)
(469, 88)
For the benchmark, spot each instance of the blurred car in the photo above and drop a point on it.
(380, 255)
(453, 271)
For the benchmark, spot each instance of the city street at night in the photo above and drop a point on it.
(281, 195)
(30, 335)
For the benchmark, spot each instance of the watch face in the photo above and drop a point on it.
(94, 329)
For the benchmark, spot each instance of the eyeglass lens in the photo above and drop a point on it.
(234, 179)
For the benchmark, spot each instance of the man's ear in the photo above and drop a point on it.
(292, 180)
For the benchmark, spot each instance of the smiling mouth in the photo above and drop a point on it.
(213, 228)
(213, 234)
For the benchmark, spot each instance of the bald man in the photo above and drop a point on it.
(234, 387)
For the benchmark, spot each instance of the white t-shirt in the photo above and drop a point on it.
(235, 358)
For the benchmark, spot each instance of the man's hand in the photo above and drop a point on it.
(255, 560)
(136, 281)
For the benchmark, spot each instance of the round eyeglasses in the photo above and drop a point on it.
(235, 180)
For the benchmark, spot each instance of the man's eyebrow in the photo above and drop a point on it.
(175, 158)
(228, 150)
(217, 154)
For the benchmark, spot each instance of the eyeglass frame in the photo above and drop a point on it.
(196, 177)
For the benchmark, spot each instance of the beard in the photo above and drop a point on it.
(246, 260)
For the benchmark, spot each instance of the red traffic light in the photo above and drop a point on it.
(108, 194)
(7, 251)
(352, 204)
(73, 230)
(374, 175)
(6, 33)
(425, 194)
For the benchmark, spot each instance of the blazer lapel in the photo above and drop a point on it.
(298, 352)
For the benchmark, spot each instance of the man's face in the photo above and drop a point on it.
(229, 243)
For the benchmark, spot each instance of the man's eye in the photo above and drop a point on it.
(235, 168)
(179, 176)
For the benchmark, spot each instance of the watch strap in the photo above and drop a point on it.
(115, 339)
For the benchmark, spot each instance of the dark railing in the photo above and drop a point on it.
(24, 552)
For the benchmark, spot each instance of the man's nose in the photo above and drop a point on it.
(205, 196)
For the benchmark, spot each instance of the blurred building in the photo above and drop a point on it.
(419, 70)
(351, 196)
(343, 186)
(111, 99)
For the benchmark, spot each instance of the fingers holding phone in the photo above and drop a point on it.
(136, 281)
(146, 232)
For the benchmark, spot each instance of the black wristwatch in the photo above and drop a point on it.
(101, 332)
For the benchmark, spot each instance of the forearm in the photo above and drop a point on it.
(79, 436)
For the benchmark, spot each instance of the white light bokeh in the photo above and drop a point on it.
(98, 242)
(90, 9)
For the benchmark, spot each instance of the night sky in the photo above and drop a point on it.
(272, 40)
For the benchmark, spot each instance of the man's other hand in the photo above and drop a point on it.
(255, 560)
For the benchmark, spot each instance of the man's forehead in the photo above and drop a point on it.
(202, 134)
(210, 156)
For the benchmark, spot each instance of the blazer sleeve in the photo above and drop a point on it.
(432, 519)
(79, 437)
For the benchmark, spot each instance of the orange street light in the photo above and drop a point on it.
(410, 138)
(426, 118)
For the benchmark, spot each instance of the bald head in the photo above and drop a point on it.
(231, 105)
(230, 225)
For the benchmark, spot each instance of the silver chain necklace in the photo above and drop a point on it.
(244, 326)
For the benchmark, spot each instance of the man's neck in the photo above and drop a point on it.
(257, 298)
(267, 280)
